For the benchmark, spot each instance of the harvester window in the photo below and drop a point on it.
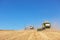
(47, 24)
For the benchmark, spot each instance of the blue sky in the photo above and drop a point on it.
(16, 14)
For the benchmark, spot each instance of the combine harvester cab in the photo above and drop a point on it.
(46, 25)
(31, 27)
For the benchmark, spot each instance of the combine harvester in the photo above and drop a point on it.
(45, 25)
(29, 28)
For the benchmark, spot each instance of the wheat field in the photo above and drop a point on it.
(48, 34)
